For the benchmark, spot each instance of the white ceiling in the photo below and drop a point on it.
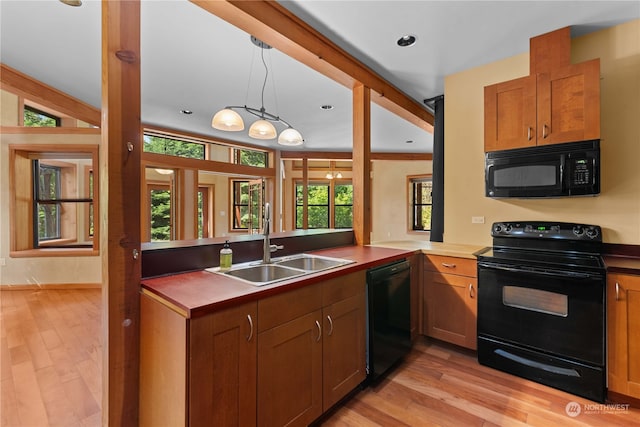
(193, 60)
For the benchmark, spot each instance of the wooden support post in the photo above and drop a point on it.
(362, 164)
(120, 151)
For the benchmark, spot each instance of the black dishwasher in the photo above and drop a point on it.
(389, 316)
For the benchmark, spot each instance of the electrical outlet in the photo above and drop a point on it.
(477, 220)
(3, 262)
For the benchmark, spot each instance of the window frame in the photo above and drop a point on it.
(56, 119)
(331, 205)
(22, 201)
(234, 204)
(412, 205)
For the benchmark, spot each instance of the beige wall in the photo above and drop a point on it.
(616, 209)
(390, 199)
(40, 270)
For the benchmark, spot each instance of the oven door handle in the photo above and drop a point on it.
(524, 269)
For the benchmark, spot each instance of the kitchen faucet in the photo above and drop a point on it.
(267, 247)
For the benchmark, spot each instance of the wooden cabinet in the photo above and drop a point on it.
(282, 360)
(311, 349)
(198, 371)
(558, 102)
(623, 333)
(344, 341)
(450, 303)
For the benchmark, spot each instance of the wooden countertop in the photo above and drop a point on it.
(433, 248)
(200, 292)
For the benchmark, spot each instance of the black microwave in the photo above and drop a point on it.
(557, 170)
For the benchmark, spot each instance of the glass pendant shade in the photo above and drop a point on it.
(262, 129)
(228, 120)
(290, 136)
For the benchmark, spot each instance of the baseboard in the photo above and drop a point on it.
(52, 286)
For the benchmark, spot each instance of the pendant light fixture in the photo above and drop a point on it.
(230, 120)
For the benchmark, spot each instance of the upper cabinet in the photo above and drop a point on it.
(558, 102)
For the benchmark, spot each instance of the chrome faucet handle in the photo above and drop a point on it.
(273, 248)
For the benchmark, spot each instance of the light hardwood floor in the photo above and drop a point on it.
(50, 357)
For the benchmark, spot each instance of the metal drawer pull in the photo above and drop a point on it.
(250, 327)
(446, 264)
(544, 131)
(617, 291)
(319, 331)
(471, 291)
(330, 325)
(529, 133)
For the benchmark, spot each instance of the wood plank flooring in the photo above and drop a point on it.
(443, 385)
(51, 358)
(50, 354)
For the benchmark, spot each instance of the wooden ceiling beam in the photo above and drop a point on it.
(275, 25)
(29, 88)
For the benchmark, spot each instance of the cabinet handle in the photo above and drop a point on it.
(529, 133)
(446, 264)
(617, 291)
(250, 320)
(471, 291)
(319, 331)
(330, 325)
(544, 131)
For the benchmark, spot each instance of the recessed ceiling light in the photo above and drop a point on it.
(327, 107)
(74, 3)
(187, 112)
(406, 40)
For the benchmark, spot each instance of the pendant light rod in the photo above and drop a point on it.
(229, 120)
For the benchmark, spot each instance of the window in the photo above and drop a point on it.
(173, 147)
(160, 212)
(250, 158)
(343, 206)
(329, 205)
(247, 204)
(54, 197)
(36, 118)
(421, 203)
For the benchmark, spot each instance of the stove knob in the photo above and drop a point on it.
(578, 231)
(592, 232)
(497, 228)
(509, 228)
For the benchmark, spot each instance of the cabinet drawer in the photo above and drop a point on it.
(343, 287)
(281, 308)
(451, 265)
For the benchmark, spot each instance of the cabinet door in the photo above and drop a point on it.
(222, 374)
(569, 103)
(623, 331)
(451, 308)
(343, 348)
(510, 114)
(290, 372)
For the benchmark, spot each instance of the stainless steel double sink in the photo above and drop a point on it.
(259, 274)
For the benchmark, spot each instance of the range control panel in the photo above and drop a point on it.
(547, 230)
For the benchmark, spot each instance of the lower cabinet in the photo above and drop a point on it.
(283, 360)
(623, 333)
(311, 351)
(197, 372)
(450, 303)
